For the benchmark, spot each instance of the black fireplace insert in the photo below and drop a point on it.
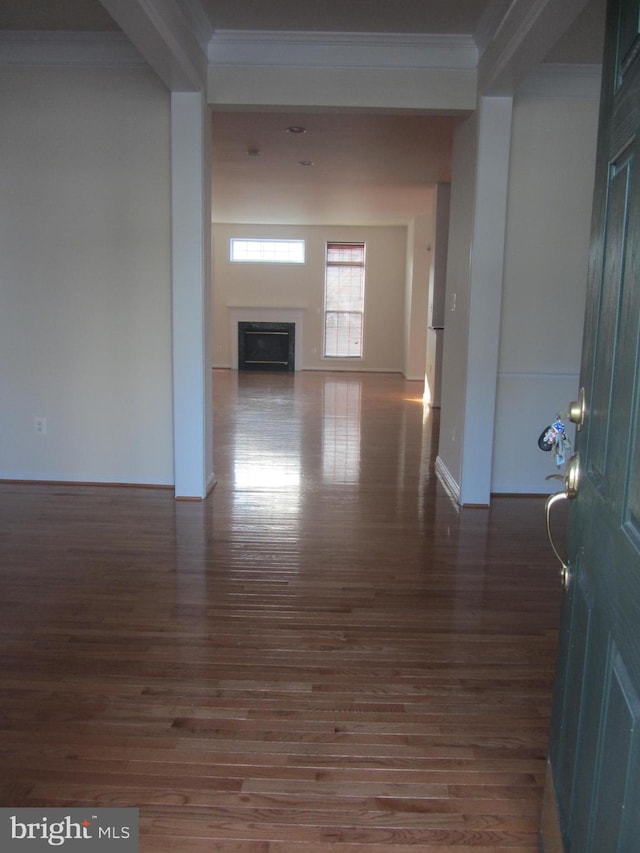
(266, 346)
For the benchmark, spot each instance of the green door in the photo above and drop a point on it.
(595, 737)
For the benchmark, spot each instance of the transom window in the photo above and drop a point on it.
(344, 300)
(257, 251)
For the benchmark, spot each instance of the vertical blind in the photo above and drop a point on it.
(344, 300)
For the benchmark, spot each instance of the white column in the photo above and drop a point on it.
(191, 271)
(486, 270)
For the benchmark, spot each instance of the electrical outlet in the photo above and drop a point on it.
(40, 425)
(452, 304)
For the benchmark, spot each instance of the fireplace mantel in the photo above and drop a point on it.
(244, 314)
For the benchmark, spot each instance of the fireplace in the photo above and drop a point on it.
(266, 346)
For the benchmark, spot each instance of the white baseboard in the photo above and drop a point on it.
(448, 481)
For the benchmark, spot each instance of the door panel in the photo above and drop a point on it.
(615, 772)
(571, 683)
(587, 707)
(604, 351)
(595, 742)
(628, 38)
(632, 503)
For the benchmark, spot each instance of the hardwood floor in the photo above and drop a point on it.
(325, 655)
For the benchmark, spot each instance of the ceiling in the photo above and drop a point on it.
(581, 44)
(373, 16)
(346, 168)
(55, 15)
(365, 168)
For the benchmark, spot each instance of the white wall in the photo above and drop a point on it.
(85, 290)
(545, 270)
(546, 252)
(292, 286)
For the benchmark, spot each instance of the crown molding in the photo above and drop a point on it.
(560, 80)
(67, 48)
(364, 50)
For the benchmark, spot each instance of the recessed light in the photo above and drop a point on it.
(296, 128)
(305, 163)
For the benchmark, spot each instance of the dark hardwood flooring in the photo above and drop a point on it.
(325, 655)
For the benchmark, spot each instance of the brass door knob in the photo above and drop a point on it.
(571, 484)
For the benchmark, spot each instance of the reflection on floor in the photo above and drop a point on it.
(325, 655)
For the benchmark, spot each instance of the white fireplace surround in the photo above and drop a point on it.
(239, 314)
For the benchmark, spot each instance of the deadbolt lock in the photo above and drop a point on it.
(577, 410)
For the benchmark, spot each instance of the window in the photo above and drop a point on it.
(254, 251)
(344, 300)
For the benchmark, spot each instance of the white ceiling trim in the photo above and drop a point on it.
(558, 80)
(346, 50)
(67, 48)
